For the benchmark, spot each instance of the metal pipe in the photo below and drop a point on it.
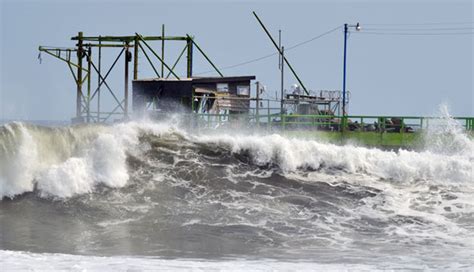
(189, 43)
(99, 81)
(60, 58)
(156, 55)
(127, 60)
(205, 56)
(257, 106)
(176, 62)
(279, 46)
(89, 84)
(103, 78)
(163, 50)
(79, 76)
(107, 85)
(128, 38)
(282, 79)
(149, 60)
(344, 72)
(276, 46)
(135, 58)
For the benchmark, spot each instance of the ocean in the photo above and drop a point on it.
(146, 195)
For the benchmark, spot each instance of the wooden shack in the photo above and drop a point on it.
(198, 94)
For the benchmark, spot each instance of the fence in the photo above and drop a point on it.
(359, 123)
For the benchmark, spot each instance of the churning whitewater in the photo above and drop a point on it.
(155, 189)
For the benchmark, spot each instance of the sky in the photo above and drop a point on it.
(386, 74)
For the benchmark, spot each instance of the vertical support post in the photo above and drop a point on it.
(257, 106)
(189, 73)
(127, 60)
(79, 76)
(135, 58)
(89, 61)
(279, 46)
(99, 78)
(344, 72)
(163, 50)
(268, 115)
(282, 78)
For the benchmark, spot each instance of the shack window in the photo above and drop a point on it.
(243, 90)
(222, 87)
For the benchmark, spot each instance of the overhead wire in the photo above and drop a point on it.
(412, 33)
(420, 24)
(418, 29)
(376, 31)
(273, 54)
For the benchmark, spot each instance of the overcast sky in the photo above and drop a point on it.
(387, 74)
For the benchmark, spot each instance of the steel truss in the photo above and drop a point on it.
(81, 63)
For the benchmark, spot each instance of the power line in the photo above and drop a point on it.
(413, 34)
(421, 24)
(419, 29)
(273, 54)
(312, 39)
(239, 64)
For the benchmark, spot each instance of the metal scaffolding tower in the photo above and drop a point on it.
(88, 99)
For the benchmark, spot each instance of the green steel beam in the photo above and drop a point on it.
(149, 60)
(156, 55)
(128, 38)
(205, 56)
(103, 78)
(189, 60)
(107, 85)
(72, 72)
(105, 45)
(177, 60)
(162, 50)
(60, 58)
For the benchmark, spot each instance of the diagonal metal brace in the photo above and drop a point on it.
(156, 55)
(204, 54)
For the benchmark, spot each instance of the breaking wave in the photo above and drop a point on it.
(144, 188)
(62, 162)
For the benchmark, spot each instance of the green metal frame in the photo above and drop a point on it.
(83, 74)
(313, 129)
(288, 122)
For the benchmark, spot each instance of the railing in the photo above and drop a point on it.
(360, 123)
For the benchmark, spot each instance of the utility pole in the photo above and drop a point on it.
(279, 46)
(344, 73)
(346, 28)
(282, 79)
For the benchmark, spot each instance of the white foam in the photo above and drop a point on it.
(14, 260)
(293, 154)
(17, 166)
(69, 161)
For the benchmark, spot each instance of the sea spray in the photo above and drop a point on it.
(19, 159)
(156, 189)
(295, 154)
(62, 162)
(445, 135)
